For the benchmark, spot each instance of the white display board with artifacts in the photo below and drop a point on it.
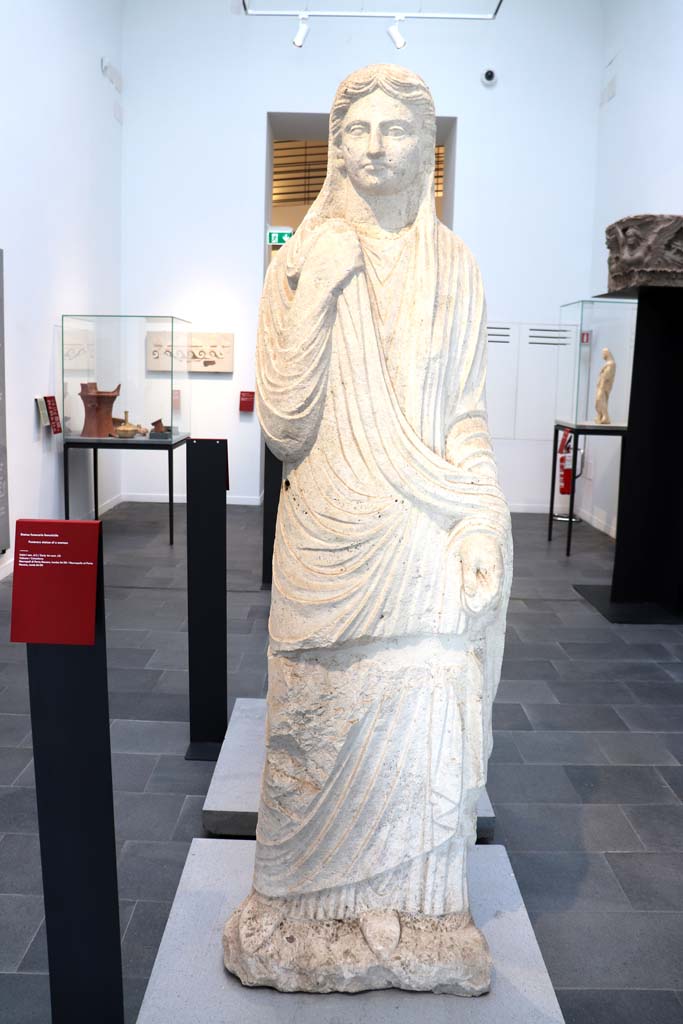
(201, 353)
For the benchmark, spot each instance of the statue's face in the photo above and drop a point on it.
(381, 145)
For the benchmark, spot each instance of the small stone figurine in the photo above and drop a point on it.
(604, 388)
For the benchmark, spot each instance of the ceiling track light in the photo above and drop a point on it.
(394, 32)
(302, 31)
(285, 12)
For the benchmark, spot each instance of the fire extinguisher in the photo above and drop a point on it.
(565, 452)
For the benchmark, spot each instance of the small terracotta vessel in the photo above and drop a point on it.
(98, 410)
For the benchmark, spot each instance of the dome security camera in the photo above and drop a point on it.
(489, 77)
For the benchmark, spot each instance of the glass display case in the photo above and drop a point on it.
(126, 378)
(606, 332)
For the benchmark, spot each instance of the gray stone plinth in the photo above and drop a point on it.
(189, 984)
(231, 805)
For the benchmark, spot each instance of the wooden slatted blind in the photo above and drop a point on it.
(299, 170)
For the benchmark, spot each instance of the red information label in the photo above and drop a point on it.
(53, 413)
(54, 589)
(246, 401)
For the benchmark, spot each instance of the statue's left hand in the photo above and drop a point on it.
(482, 572)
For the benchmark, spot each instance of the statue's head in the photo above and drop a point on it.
(383, 130)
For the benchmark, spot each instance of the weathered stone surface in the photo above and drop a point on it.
(377, 950)
(391, 574)
(190, 986)
(645, 249)
(232, 802)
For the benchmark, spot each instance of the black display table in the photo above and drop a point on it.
(578, 430)
(137, 443)
(647, 582)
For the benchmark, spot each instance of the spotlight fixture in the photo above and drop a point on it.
(302, 31)
(394, 32)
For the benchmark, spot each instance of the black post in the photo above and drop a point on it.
(72, 756)
(170, 495)
(96, 483)
(66, 481)
(572, 493)
(272, 485)
(207, 606)
(553, 475)
(648, 559)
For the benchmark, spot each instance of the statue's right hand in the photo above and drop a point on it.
(333, 256)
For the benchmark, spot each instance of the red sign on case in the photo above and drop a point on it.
(54, 589)
(53, 413)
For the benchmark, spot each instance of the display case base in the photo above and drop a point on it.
(232, 802)
(627, 612)
(203, 752)
(189, 984)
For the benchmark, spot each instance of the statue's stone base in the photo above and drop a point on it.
(232, 802)
(423, 954)
(190, 985)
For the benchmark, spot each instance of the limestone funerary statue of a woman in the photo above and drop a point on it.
(391, 575)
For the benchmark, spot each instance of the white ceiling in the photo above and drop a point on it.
(475, 8)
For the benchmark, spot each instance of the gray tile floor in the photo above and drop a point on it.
(158, 795)
(586, 773)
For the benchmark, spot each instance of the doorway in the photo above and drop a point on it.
(297, 163)
(296, 155)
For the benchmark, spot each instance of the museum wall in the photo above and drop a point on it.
(199, 81)
(59, 223)
(153, 200)
(639, 169)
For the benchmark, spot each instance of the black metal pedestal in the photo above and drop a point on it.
(578, 430)
(634, 612)
(97, 444)
(648, 562)
(272, 484)
(72, 757)
(207, 608)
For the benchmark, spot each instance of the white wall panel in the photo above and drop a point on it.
(60, 222)
(501, 378)
(524, 473)
(545, 378)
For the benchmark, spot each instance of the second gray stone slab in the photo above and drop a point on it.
(232, 802)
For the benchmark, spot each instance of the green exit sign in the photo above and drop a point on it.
(278, 236)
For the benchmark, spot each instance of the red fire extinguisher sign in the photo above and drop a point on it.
(565, 453)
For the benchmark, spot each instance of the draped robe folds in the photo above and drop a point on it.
(381, 681)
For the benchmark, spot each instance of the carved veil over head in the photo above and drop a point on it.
(399, 84)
